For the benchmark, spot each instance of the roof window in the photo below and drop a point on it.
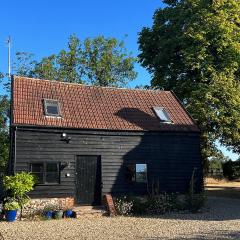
(162, 114)
(51, 107)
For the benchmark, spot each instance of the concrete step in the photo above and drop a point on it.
(90, 210)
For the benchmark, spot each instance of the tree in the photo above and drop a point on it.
(231, 170)
(4, 150)
(4, 138)
(193, 48)
(217, 161)
(99, 61)
(24, 63)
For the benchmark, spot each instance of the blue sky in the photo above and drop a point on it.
(43, 27)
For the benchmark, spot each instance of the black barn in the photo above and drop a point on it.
(85, 141)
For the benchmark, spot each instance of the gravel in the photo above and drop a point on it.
(220, 220)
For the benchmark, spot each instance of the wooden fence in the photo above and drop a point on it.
(215, 173)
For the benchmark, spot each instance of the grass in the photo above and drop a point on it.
(222, 188)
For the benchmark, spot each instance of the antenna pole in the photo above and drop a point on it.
(9, 56)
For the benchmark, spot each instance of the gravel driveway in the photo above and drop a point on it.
(221, 221)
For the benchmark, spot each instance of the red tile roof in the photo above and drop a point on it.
(90, 107)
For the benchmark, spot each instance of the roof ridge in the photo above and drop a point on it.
(93, 86)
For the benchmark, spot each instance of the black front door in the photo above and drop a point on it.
(88, 180)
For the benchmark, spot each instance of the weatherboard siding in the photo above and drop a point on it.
(170, 157)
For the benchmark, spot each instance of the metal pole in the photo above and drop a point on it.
(9, 56)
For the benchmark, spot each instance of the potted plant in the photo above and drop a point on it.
(17, 187)
(11, 206)
(58, 213)
(48, 211)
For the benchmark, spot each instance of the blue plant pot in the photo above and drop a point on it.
(11, 215)
(68, 213)
(58, 214)
(48, 214)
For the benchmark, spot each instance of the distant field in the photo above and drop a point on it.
(222, 188)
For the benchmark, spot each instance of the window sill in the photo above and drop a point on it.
(52, 116)
(48, 184)
(134, 183)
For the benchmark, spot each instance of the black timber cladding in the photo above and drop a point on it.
(170, 157)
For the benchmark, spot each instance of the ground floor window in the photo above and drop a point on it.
(46, 172)
(137, 172)
(141, 172)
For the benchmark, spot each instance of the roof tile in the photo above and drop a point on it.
(89, 107)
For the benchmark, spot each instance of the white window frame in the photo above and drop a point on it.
(136, 172)
(164, 112)
(51, 102)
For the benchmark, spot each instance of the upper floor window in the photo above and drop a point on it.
(51, 107)
(162, 114)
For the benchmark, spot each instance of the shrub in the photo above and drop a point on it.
(155, 205)
(18, 186)
(231, 170)
(139, 205)
(11, 204)
(161, 203)
(123, 206)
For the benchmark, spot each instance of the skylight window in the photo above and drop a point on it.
(51, 108)
(162, 114)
